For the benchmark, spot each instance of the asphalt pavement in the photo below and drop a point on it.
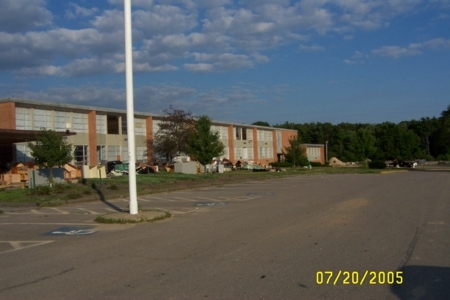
(371, 236)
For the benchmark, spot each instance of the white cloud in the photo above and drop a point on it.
(163, 19)
(412, 49)
(200, 67)
(313, 48)
(109, 21)
(200, 35)
(357, 58)
(19, 15)
(76, 10)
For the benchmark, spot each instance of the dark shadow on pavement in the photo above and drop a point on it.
(102, 198)
(423, 282)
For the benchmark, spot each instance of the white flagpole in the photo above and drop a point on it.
(130, 108)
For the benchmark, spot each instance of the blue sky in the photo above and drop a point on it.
(358, 61)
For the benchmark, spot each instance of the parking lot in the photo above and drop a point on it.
(266, 239)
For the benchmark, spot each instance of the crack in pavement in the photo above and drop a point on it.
(37, 280)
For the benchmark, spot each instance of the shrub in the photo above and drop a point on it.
(445, 157)
(429, 157)
(377, 164)
(59, 188)
(93, 185)
(43, 190)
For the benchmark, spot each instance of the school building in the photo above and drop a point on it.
(100, 134)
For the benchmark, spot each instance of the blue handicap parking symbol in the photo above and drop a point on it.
(71, 231)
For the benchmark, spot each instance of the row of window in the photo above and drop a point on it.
(35, 119)
(81, 154)
(247, 153)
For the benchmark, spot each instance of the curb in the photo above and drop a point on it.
(125, 217)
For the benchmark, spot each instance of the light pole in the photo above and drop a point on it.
(130, 108)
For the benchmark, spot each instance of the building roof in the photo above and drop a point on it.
(85, 108)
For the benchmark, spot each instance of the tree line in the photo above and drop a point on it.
(427, 138)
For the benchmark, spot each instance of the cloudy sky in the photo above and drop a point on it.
(235, 60)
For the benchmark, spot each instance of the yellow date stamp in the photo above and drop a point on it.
(359, 278)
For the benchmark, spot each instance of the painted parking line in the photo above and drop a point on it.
(185, 199)
(209, 199)
(89, 211)
(178, 211)
(19, 245)
(59, 210)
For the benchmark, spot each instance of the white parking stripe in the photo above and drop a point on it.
(59, 210)
(145, 200)
(89, 211)
(209, 199)
(185, 199)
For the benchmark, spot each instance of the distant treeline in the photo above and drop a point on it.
(427, 138)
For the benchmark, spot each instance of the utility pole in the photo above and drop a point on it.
(130, 108)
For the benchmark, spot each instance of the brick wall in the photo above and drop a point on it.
(8, 115)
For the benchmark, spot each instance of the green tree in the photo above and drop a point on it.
(261, 123)
(396, 141)
(171, 139)
(50, 149)
(444, 134)
(295, 153)
(364, 146)
(203, 145)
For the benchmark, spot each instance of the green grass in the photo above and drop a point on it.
(110, 188)
(105, 220)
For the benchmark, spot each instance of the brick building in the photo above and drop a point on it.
(100, 134)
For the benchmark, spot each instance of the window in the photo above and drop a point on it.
(113, 152)
(81, 155)
(141, 154)
(23, 118)
(101, 154)
(238, 153)
(62, 121)
(265, 152)
(265, 135)
(139, 127)
(249, 134)
(224, 132)
(23, 153)
(124, 155)
(80, 123)
(238, 133)
(100, 123)
(155, 127)
(279, 142)
(42, 119)
(124, 125)
(250, 153)
(112, 123)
